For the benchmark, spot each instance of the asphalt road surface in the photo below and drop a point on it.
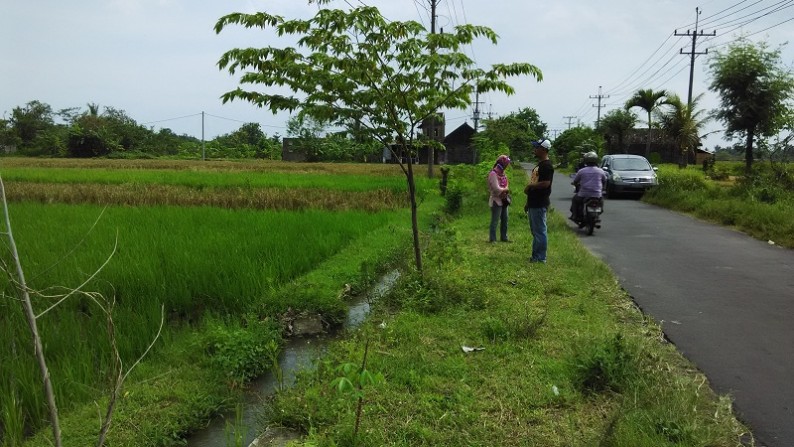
(724, 299)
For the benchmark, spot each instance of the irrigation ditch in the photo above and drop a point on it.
(240, 427)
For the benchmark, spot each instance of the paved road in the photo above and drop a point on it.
(726, 301)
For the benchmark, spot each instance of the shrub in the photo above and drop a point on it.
(242, 351)
(609, 365)
(453, 199)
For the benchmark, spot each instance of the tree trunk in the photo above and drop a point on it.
(648, 143)
(414, 223)
(431, 155)
(748, 154)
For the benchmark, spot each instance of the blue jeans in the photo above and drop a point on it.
(537, 225)
(498, 213)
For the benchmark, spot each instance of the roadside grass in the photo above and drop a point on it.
(762, 207)
(564, 357)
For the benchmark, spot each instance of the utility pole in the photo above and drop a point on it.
(431, 152)
(569, 118)
(202, 137)
(692, 53)
(599, 96)
(476, 116)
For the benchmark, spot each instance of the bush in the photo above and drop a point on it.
(609, 365)
(242, 351)
(453, 199)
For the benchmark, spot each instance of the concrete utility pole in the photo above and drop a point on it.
(203, 155)
(569, 118)
(599, 96)
(431, 152)
(693, 53)
(476, 116)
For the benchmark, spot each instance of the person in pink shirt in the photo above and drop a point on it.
(499, 199)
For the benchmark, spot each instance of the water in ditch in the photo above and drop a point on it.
(240, 428)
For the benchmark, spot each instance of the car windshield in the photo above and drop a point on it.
(630, 164)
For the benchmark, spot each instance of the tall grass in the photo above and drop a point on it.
(204, 179)
(192, 260)
(225, 197)
(760, 206)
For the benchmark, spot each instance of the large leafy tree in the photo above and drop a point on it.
(573, 142)
(615, 125)
(515, 130)
(683, 124)
(357, 66)
(648, 100)
(30, 121)
(755, 91)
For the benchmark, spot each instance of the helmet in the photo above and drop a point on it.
(591, 157)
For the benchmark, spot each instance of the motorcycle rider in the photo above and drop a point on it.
(590, 182)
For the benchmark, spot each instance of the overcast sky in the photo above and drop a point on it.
(156, 59)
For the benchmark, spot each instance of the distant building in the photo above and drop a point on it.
(460, 145)
(291, 150)
(433, 128)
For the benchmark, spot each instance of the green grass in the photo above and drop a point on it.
(564, 326)
(204, 179)
(762, 208)
(199, 262)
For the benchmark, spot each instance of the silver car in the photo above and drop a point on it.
(628, 174)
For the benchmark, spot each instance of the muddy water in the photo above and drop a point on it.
(240, 428)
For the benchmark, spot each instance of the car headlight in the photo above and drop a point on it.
(616, 177)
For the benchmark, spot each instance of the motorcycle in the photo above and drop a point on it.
(590, 214)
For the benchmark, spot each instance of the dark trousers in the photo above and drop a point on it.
(498, 213)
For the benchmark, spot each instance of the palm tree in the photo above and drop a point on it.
(683, 124)
(649, 101)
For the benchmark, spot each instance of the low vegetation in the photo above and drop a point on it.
(226, 278)
(487, 349)
(761, 205)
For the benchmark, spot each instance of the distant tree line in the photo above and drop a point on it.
(35, 129)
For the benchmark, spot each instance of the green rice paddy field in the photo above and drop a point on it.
(210, 247)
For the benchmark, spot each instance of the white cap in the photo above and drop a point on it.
(545, 144)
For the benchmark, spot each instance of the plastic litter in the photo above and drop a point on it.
(468, 349)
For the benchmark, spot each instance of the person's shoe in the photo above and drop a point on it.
(536, 261)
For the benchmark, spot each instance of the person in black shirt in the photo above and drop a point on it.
(538, 191)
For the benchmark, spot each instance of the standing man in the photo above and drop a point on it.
(538, 191)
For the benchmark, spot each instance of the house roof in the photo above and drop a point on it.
(462, 132)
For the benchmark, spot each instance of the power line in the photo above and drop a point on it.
(171, 119)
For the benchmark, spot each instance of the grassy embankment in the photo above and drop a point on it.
(761, 206)
(224, 277)
(566, 359)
